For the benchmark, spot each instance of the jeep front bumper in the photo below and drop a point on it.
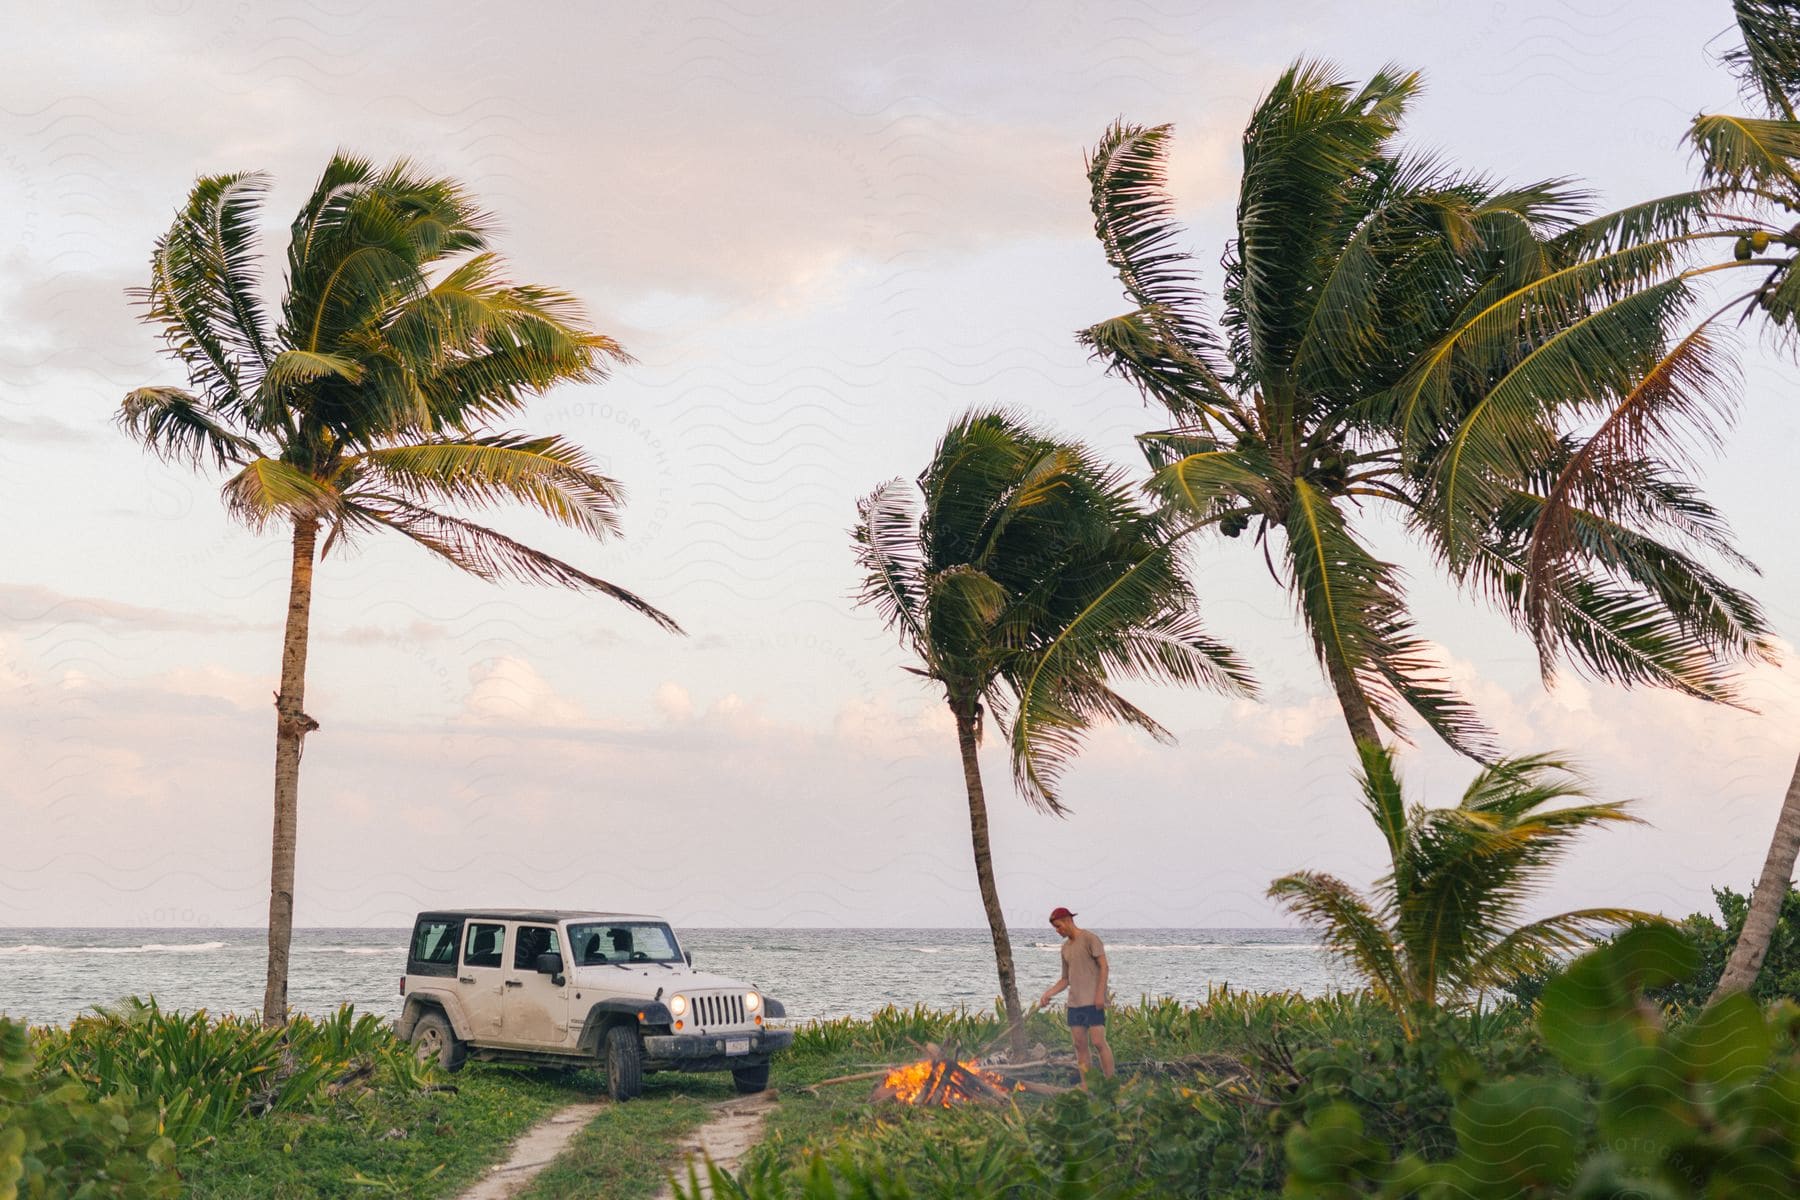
(710, 1051)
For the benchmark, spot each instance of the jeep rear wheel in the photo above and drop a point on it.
(434, 1041)
(751, 1080)
(624, 1063)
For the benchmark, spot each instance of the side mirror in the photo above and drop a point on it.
(551, 963)
(689, 955)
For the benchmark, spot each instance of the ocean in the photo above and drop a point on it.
(49, 976)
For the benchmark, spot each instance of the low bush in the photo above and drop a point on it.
(59, 1140)
(1217, 1086)
(1709, 1107)
(200, 1074)
(1779, 978)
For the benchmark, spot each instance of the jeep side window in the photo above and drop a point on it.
(532, 941)
(483, 946)
(435, 942)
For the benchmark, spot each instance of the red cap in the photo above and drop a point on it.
(1057, 914)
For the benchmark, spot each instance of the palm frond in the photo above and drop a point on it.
(1683, 392)
(1201, 482)
(490, 555)
(1768, 63)
(1747, 154)
(1673, 216)
(1384, 801)
(887, 549)
(1483, 345)
(1513, 425)
(202, 292)
(1726, 619)
(550, 475)
(1542, 944)
(1166, 347)
(1351, 927)
(177, 426)
(1612, 631)
(269, 489)
(1306, 150)
(1353, 605)
(1136, 621)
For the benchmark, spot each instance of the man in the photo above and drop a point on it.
(1084, 972)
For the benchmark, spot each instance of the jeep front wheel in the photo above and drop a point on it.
(434, 1041)
(751, 1080)
(624, 1063)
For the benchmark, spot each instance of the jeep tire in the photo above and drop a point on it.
(624, 1063)
(751, 1080)
(434, 1041)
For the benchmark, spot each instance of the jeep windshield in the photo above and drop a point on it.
(596, 943)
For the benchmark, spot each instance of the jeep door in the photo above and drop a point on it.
(536, 1007)
(480, 976)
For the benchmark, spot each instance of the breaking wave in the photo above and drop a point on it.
(146, 948)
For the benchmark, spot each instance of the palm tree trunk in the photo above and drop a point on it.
(1765, 898)
(291, 727)
(984, 877)
(1352, 701)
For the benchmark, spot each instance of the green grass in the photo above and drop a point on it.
(1228, 1022)
(384, 1142)
(628, 1151)
(389, 1137)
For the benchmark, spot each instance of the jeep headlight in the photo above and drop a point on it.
(678, 1005)
(752, 1001)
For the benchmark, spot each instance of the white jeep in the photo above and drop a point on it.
(579, 989)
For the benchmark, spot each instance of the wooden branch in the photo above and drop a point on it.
(860, 1075)
(1043, 1089)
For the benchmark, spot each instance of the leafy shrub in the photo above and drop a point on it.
(1779, 978)
(1119, 1143)
(202, 1074)
(1402, 1088)
(1267, 1063)
(1708, 1108)
(57, 1140)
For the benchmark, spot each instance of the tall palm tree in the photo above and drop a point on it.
(1025, 579)
(1444, 922)
(1401, 337)
(1752, 163)
(363, 405)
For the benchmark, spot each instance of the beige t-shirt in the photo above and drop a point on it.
(1081, 956)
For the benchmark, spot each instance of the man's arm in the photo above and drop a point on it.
(1105, 970)
(1061, 983)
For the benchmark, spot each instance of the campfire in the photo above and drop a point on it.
(941, 1081)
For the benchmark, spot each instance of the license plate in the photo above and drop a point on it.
(737, 1045)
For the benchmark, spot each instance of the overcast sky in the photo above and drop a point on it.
(823, 232)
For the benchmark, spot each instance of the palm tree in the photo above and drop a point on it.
(1400, 337)
(1753, 166)
(1443, 923)
(1025, 579)
(365, 407)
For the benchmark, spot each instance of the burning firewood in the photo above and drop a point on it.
(940, 1081)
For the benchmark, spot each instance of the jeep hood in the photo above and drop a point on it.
(638, 980)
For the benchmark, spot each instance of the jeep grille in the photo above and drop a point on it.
(719, 1009)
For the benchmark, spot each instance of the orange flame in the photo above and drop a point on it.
(909, 1082)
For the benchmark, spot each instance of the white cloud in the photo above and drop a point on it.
(511, 691)
(673, 701)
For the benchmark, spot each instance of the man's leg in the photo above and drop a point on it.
(1080, 1034)
(1098, 1035)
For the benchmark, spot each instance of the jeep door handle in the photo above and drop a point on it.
(515, 983)
(465, 979)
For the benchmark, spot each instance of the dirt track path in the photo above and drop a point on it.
(736, 1127)
(533, 1152)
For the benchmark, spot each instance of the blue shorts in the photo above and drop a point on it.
(1086, 1016)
